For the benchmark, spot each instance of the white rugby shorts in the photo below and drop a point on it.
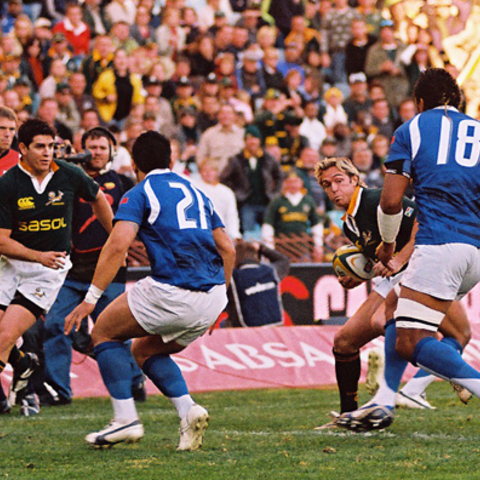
(446, 272)
(37, 283)
(174, 313)
(383, 285)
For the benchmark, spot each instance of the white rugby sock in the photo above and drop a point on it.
(124, 410)
(182, 404)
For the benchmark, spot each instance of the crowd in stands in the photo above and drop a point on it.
(251, 93)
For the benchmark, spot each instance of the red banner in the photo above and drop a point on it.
(266, 357)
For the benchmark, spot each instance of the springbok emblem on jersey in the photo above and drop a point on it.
(54, 198)
(367, 237)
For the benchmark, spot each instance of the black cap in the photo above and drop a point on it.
(184, 82)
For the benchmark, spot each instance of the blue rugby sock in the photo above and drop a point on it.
(114, 363)
(443, 360)
(166, 375)
(422, 379)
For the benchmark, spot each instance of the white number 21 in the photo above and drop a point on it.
(465, 139)
(184, 205)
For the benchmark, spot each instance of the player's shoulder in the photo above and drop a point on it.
(370, 197)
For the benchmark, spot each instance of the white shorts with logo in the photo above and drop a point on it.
(35, 282)
(383, 286)
(446, 272)
(174, 313)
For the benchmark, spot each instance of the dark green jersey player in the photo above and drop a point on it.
(40, 215)
(35, 228)
(360, 225)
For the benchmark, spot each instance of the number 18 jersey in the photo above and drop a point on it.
(440, 151)
(176, 221)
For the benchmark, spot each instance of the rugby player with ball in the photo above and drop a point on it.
(357, 263)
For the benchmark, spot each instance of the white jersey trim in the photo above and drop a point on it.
(415, 137)
(154, 203)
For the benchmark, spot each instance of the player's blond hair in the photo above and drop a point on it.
(343, 164)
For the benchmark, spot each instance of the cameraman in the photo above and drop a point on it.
(88, 238)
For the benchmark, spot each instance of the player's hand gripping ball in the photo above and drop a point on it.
(350, 261)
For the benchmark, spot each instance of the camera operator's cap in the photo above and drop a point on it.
(272, 94)
(58, 37)
(211, 78)
(62, 87)
(358, 77)
(254, 131)
(42, 22)
(184, 82)
(386, 23)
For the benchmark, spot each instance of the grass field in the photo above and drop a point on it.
(263, 434)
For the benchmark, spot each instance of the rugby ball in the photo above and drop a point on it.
(350, 261)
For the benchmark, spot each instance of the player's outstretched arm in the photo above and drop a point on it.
(226, 249)
(13, 249)
(111, 259)
(103, 211)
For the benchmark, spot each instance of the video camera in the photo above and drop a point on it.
(64, 151)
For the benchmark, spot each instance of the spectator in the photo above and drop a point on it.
(68, 113)
(334, 113)
(359, 100)
(23, 29)
(311, 127)
(221, 141)
(159, 106)
(121, 11)
(406, 111)
(48, 112)
(32, 64)
(120, 35)
(293, 143)
(59, 50)
(301, 34)
(203, 58)
(383, 64)
(380, 149)
(248, 305)
(58, 74)
(99, 60)
(223, 41)
(255, 178)
(293, 52)
(207, 116)
(94, 16)
(382, 122)
(76, 31)
(357, 48)
(78, 86)
(222, 197)
(170, 36)
(188, 134)
(293, 214)
(363, 161)
(305, 168)
(370, 14)
(336, 33)
(185, 96)
(13, 10)
(273, 77)
(250, 76)
(116, 90)
(141, 30)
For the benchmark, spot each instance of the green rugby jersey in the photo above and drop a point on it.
(360, 221)
(42, 220)
(287, 218)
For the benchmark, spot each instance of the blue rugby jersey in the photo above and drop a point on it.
(176, 222)
(440, 150)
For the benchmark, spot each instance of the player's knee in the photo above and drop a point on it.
(139, 355)
(344, 343)
(404, 346)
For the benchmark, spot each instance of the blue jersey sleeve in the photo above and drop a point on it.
(132, 207)
(399, 160)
